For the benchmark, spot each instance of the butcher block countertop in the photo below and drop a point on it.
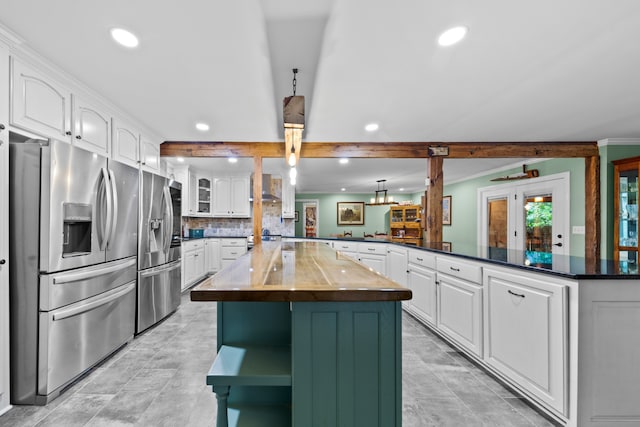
(300, 271)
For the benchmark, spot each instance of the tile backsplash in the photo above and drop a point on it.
(271, 220)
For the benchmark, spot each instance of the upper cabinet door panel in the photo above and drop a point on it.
(39, 104)
(240, 205)
(126, 143)
(149, 154)
(92, 130)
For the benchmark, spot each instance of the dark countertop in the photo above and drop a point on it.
(566, 266)
(186, 239)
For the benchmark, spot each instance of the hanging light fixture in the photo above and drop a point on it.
(293, 116)
(381, 197)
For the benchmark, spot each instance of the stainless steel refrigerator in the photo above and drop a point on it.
(73, 239)
(159, 249)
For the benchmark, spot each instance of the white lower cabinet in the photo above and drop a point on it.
(212, 255)
(397, 264)
(526, 332)
(346, 248)
(193, 262)
(231, 249)
(374, 256)
(459, 304)
(422, 282)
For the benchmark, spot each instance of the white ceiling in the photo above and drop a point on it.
(547, 70)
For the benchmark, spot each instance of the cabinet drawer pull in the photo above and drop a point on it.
(371, 249)
(454, 269)
(516, 295)
(419, 259)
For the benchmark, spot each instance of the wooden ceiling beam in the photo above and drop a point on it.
(457, 150)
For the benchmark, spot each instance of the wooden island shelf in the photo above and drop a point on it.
(306, 336)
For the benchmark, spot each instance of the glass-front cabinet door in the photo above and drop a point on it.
(626, 214)
(397, 215)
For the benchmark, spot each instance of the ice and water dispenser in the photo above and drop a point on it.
(77, 226)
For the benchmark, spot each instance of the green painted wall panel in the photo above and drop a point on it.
(364, 344)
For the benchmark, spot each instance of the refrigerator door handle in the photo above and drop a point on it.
(64, 314)
(105, 186)
(114, 212)
(77, 277)
(169, 224)
(162, 269)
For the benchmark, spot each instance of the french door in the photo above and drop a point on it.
(530, 216)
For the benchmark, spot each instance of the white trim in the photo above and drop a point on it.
(618, 141)
(498, 169)
(10, 37)
(519, 188)
(303, 217)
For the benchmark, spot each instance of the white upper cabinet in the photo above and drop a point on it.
(203, 182)
(288, 199)
(149, 154)
(126, 143)
(231, 197)
(92, 127)
(38, 103)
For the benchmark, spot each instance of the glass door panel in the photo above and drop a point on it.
(628, 220)
(498, 223)
(538, 220)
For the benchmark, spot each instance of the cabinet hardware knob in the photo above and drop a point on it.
(454, 269)
(68, 132)
(1, 126)
(558, 245)
(3, 261)
(78, 137)
(516, 295)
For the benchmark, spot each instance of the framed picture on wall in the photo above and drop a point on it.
(446, 210)
(297, 216)
(350, 213)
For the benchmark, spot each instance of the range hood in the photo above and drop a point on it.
(266, 188)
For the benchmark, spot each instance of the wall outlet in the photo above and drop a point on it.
(578, 229)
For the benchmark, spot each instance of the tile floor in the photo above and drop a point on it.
(158, 379)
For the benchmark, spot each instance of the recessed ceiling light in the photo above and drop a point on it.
(344, 161)
(180, 159)
(124, 37)
(202, 127)
(371, 127)
(233, 160)
(343, 189)
(401, 189)
(452, 36)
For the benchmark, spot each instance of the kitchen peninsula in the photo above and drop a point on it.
(306, 336)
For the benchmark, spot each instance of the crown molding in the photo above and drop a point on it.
(618, 141)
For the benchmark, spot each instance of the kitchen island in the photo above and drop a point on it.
(305, 336)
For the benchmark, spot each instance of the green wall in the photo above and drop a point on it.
(464, 201)
(376, 218)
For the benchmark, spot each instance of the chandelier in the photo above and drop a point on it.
(381, 197)
(293, 115)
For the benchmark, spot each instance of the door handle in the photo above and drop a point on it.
(114, 211)
(64, 314)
